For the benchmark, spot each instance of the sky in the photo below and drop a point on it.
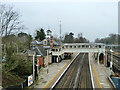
(93, 19)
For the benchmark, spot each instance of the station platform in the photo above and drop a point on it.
(100, 73)
(46, 80)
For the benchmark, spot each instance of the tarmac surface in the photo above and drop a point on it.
(45, 78)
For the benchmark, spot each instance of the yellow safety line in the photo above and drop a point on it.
(96, 75)
(57, 74)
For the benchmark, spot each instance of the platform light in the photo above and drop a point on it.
(111, 50)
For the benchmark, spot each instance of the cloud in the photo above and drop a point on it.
(59, 1)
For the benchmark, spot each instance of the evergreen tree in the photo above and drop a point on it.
(69, 38)
(40, 34)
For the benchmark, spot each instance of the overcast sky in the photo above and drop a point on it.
(93, 19)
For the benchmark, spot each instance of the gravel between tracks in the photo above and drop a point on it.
(78, 74)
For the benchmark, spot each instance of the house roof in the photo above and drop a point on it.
(49, 30)
(55, 42)
(43, 51)
(36, 42)
(40, 50)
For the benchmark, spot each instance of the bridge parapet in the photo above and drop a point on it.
(78, 47)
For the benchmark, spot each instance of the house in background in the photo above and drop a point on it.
(41, 55)
(46, 45)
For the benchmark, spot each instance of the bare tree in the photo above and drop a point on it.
(10, 20)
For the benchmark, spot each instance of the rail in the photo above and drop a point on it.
(91, 73)
(77, 75)
(112, 83)
(63, 72)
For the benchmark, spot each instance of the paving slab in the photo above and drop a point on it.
(100, 73)
(45, 78)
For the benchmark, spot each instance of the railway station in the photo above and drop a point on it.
(88, 65)
(60, 44)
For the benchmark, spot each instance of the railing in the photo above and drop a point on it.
(77, 50)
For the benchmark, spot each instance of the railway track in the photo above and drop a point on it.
(77, 75)
(116, 62)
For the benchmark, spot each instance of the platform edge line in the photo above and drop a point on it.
(64, 72)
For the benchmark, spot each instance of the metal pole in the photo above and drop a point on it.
(37, 66)
(98, 55)
(33, 68)
(111, 62)
(60, 32)
(47, 62)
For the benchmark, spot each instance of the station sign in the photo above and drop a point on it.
(51, 41)
(30, 80)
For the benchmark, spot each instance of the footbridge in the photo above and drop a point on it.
(58, 51)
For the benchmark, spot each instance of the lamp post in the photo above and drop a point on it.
(111, 62)
(33, 67)
(98, 56)
(47, 62)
